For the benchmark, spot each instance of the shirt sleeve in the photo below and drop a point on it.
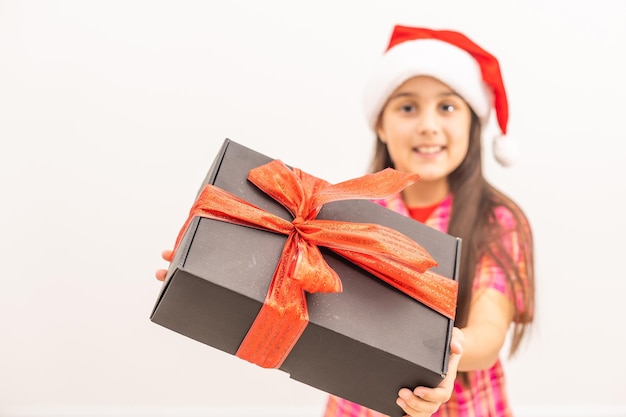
(489, 274)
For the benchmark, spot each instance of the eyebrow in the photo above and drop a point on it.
(401, 95)
(410, 94)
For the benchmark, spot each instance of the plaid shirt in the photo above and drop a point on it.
(486, 394)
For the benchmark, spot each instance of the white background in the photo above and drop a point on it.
(112, 111)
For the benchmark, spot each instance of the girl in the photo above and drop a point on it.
(427, 102)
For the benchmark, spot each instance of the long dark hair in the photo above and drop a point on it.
(473, 220)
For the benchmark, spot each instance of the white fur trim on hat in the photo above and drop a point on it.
(442, 60)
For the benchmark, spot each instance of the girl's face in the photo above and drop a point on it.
(425, 126)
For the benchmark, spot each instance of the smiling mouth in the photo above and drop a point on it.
(429, 150)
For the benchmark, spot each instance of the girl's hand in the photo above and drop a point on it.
(161, 273)
(422, 401)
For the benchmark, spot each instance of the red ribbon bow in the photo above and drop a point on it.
(384, 252)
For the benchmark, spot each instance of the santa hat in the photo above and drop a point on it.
(451, 57)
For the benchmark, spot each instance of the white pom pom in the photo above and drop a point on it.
(505, 150)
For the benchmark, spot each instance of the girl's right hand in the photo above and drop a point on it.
(161, 273)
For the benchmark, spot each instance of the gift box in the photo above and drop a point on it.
(362, 343)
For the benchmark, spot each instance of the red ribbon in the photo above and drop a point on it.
(384, 252)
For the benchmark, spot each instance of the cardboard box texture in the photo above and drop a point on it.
(362, 344)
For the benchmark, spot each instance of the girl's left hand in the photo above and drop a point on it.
(422, 401)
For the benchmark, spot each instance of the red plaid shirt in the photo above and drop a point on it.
(486, 395)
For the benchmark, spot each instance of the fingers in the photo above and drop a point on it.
(414, 405)
(160, 274)
(167, 255)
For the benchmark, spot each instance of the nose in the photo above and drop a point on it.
(428, 122)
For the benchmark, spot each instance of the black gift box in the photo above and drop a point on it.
(362, 344)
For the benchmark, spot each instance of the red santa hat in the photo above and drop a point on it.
(451, 57)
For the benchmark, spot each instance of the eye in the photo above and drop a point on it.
(407, 108)
(448, 107)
